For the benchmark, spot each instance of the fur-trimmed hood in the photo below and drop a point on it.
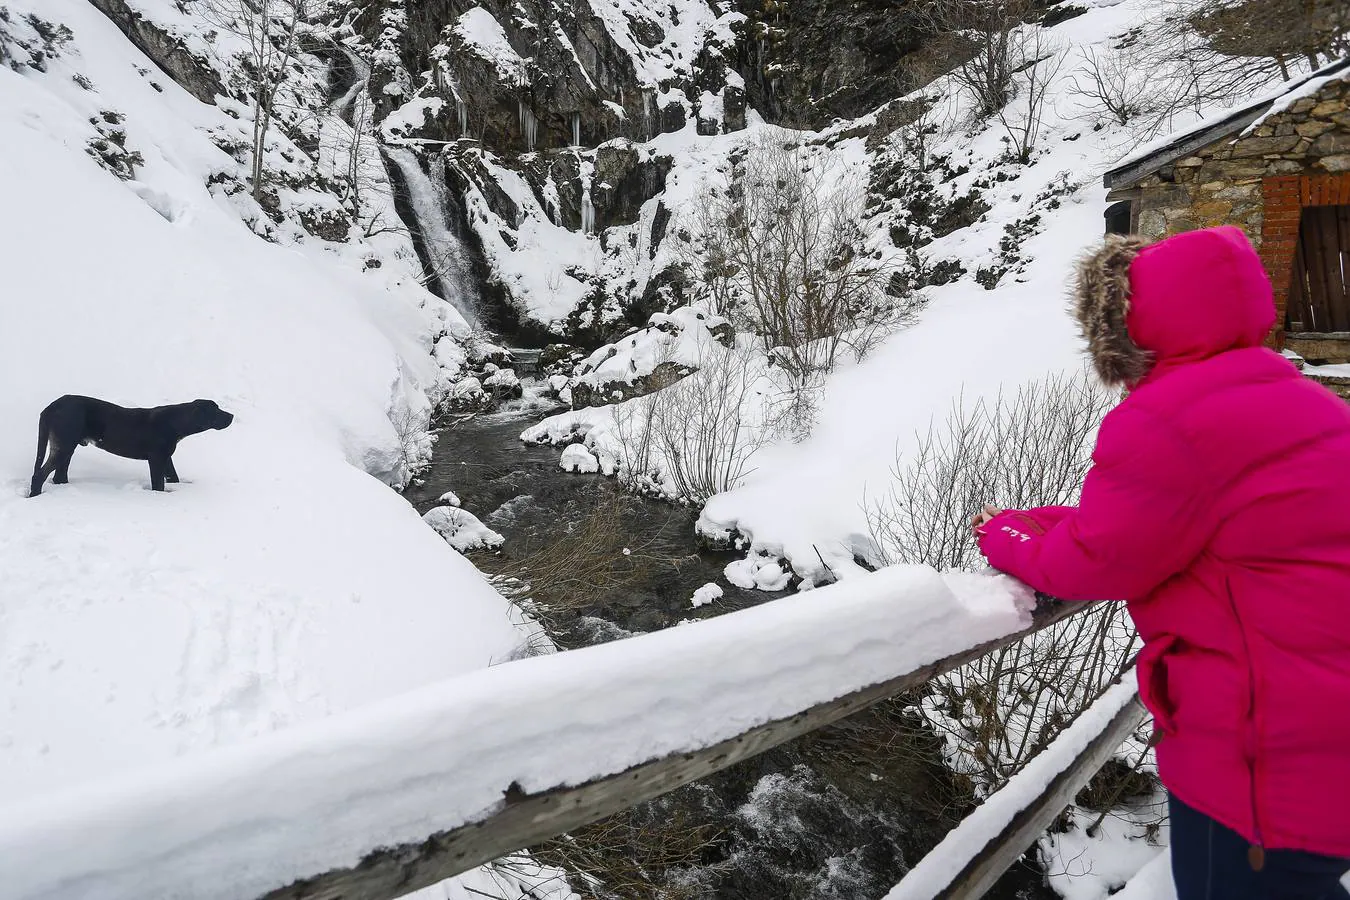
(1184, 299)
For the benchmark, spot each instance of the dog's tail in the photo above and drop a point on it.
(44, 433)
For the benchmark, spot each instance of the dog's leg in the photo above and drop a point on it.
(170, 473)
(63, 456)
(43, 472)
(157, 473)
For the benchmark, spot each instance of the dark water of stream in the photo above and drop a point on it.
(519, 490)
(820, 818)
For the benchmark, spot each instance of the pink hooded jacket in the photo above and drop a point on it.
(1218, 506)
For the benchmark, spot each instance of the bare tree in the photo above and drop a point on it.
(1280, 30)
(1198, 54)
(779, 251)
(982, 36)
(1108, 83)
(1040, 63)
(270, 30)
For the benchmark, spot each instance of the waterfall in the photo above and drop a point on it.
(587, 211)
(576, 129)
(444, 254)
(529, 125)
(342, 106)
(587, 176)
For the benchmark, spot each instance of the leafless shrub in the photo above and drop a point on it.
(1000, 711)
(414, 442)
(1109, 83)
(778, 249)
(1041, 61)
(982, 33)
(695, 438)
(271, 31)
(1031, 450)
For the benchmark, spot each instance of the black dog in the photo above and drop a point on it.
(149, 434)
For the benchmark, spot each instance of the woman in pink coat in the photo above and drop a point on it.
(1218, 507)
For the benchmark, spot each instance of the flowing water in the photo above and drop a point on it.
(827, 816)
(520, 491)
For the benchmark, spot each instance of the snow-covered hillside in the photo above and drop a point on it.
(283, 580)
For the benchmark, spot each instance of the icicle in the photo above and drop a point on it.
(529, 125)
(576, 129)
(462, 110)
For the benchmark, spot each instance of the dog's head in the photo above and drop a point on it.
(206, 416)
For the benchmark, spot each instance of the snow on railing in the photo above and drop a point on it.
(987, 842)
(380, 801)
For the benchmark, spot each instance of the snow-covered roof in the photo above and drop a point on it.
(1174, 146)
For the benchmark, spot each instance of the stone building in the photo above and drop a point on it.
(1280, 170)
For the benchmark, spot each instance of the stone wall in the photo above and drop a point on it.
(1222, 184)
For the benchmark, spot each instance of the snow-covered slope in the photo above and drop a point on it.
(999, 321)
(283, 580)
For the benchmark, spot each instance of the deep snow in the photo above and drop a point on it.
(283, 581)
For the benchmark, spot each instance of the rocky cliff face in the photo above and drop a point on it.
(561, 123)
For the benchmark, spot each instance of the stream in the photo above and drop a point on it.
(841, 813)
(519, 491)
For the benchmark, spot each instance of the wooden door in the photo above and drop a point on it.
(1319, 290)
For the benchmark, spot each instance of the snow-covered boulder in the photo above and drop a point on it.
(706, 594)
(503, 385)
(650, 359)
(462, 529)
(468, 395)
(577, 459)
(758, 572)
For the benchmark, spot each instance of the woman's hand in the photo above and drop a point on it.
(983, 517)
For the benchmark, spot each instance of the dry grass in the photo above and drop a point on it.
(631, 855)
(596, 558)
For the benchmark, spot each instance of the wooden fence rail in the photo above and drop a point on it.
(997, 833)
(378, 802)
(526, 819)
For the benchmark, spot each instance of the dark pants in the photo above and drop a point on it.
(1209, 862)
